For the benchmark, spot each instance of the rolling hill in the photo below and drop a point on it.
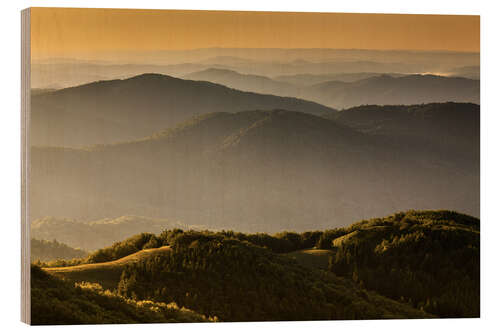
(426, 259)
(253, 171)
(385, 90)
(312, 79)
(107, 274)
(244, 82)
(128, 109)
(257, 283)
(342, 90)
(453, 128)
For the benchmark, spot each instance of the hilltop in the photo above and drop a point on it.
(107, 273)
(128, 109)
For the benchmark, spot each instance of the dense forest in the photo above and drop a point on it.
(238, 281)
(426, 261)
(429, 260)
(57, 302)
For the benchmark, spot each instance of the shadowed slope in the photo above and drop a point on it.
(245, 169)
(57, 302)
(312, 258)
(452, 128)
(385, 89)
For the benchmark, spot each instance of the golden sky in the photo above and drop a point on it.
(74, 32)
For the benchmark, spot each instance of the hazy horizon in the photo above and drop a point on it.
(91, 32)
(268, 62)
(105, 55)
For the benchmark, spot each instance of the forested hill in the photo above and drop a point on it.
(423, 260)
(453, 128)
(428, 259)
(242, 170)
(57, 302)
(238, 281)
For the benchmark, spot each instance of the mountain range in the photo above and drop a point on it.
(351, 89)
(385, 90)
(122, 110)
(63, 72)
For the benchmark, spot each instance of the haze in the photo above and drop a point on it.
(102, 33)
